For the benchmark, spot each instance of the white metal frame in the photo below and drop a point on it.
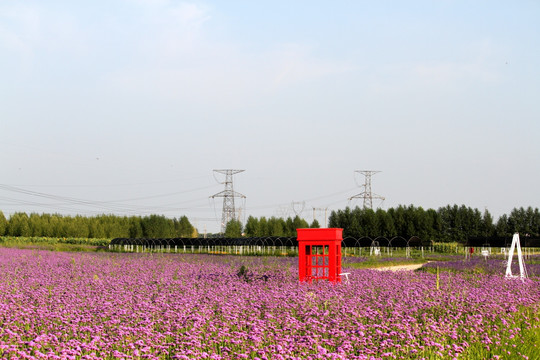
(522, 270)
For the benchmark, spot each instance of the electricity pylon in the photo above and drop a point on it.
(367, 195)
(301, 205)
(325, 209)
(228, 195)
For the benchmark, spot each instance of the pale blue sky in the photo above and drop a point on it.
(126, 106)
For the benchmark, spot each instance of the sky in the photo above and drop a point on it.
(127, 106)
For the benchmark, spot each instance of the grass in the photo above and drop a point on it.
(376, 262)
(525, 345)
(54, 244)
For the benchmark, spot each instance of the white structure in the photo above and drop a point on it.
(375, 249)
(486, 250)
(522, 270)
(346, 277)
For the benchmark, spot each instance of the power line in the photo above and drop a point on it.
(286, 207)
(108, 185)
(60, 202)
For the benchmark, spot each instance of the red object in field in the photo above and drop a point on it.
(319, 254)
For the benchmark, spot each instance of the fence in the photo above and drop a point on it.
(281, 246)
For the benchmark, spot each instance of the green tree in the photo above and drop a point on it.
(18, 225)
(343, 219)
(398, 216)
(333, 220)
(289, 229)
(264, 229)
(233, 229)
(276, 227)
(135, 227)
(46, 225)
(368, 222)
(156, 226)
(123, 226)
(502, 229)
(453, 220)
(422, 222)
(536, 223)
(487, 228)
(385, 224)
(35, 224)
(352, 222)
(3, 224)
(184, 227)
(95, 229)
(252, 227)
(298, 223)
(472, 222)
(435, 232)
(77, 226)
(315, 224)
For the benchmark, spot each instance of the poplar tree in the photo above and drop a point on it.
(252, 227)
(233, 229)
(3, 224)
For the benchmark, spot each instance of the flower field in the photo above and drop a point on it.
(494, 265)
(162, 306)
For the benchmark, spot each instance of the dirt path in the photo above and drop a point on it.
(409, 267)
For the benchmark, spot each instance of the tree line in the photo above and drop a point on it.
(153, 226)
(451, 223)
(101, 226)
(261, 227)
(447, 224)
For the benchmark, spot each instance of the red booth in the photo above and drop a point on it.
(319, 254)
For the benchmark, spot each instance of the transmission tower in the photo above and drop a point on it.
(300, 204)
(325, 210)
(367, 195)
(228, 195)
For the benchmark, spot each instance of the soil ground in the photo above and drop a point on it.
(410, 267)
